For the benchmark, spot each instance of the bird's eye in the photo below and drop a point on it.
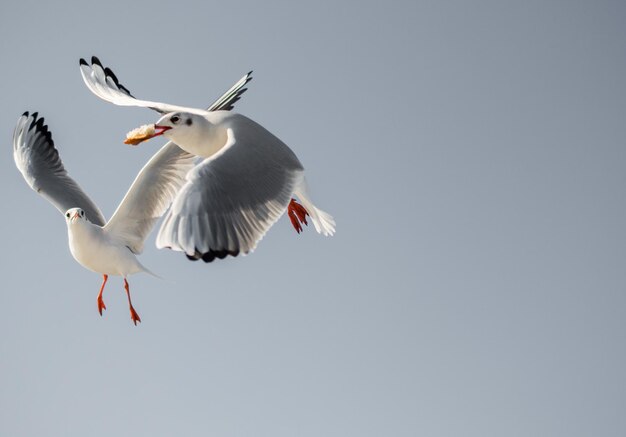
(175, 119)
(67, 215)
(82, 213)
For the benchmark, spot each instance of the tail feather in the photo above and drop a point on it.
(324, 223)
(148, 271)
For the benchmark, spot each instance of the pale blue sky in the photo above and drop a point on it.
(473, 155)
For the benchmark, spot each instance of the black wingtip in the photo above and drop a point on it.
(211, 255)
(82, 62)
(123, 88)
(108, 73)
(39, 124)
(25, 114)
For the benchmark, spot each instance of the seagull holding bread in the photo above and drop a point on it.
(245, 180)
(108, 248)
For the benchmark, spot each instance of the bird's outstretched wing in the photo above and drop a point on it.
(40, 164)
(232, 198)
(103, 83)
(150, 195)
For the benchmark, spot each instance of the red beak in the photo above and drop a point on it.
(160, 130)
(76, 215)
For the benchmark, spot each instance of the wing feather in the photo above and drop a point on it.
(39, 162)
(150, 195)
(103, 83)
(227, 101)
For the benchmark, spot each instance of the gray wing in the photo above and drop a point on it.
(103, 83)
(232, 199)
(39, 162)
(230, 97)
(149, 196)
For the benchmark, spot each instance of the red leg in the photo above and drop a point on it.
(133, 314)
(101, 305)
(297, 214)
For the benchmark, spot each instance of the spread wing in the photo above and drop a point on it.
(39, 162)
(227, 101)
(232, 198)
(150, 195)
(103, 83)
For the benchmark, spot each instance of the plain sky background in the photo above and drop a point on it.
(473, 155)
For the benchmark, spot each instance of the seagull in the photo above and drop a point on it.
(245, 180)
(108, 248)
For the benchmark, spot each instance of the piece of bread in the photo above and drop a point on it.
(142, 133)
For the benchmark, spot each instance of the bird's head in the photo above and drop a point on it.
(74, 215)
(191, 132)
(178, 126)
(174, 125)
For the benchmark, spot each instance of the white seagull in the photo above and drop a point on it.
(245, 181)
(108, 248)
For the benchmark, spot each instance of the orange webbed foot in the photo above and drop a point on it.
(134, 316)
(101, 305)
(297, 214)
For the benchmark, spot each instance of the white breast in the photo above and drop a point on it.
(96, 251)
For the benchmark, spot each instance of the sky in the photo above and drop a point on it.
(472, 153)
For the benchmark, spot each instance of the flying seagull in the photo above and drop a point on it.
(245, 181)
(108, 248)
